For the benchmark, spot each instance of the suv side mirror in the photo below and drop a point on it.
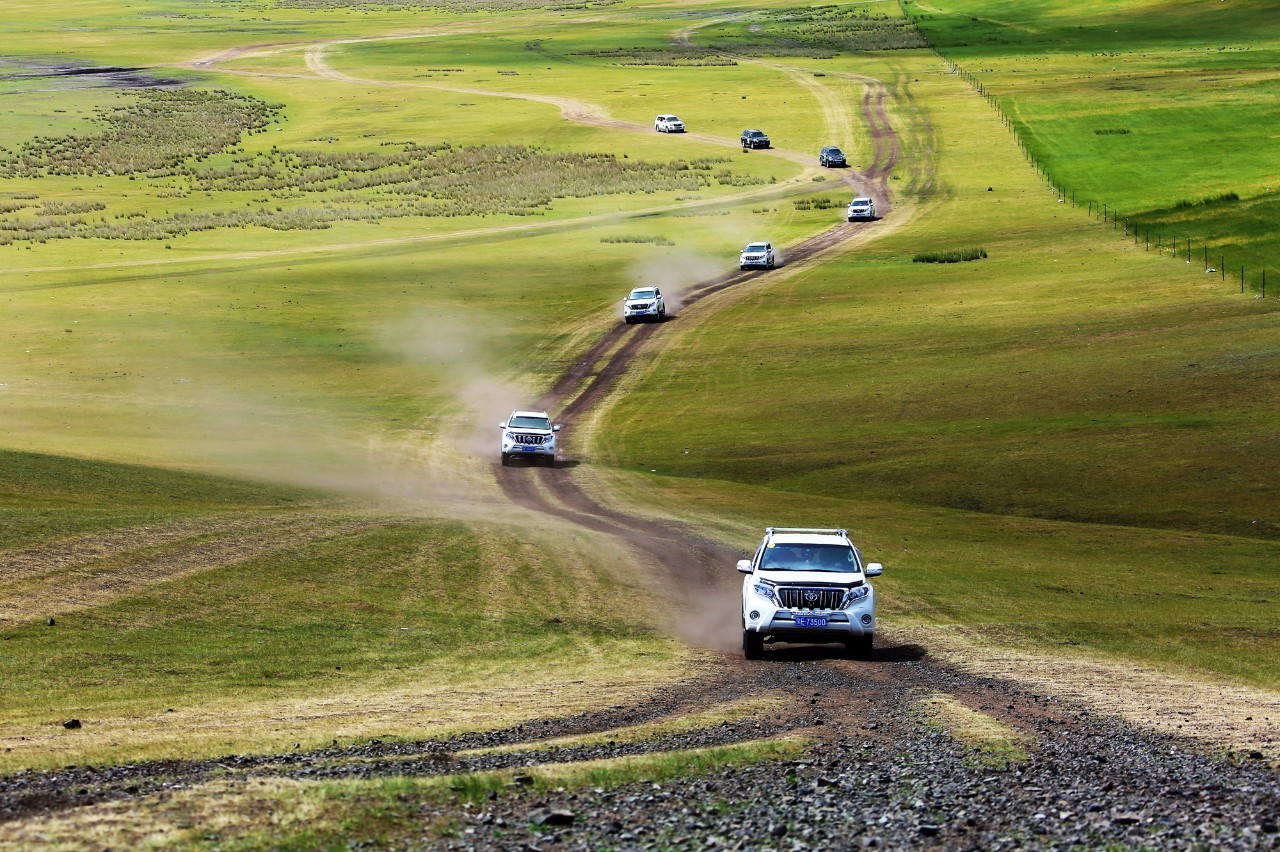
(874, 569)
(502, 425)
(744, 565)
(555, 428)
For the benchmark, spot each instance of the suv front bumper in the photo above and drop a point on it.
(516, 450)
(784, 624)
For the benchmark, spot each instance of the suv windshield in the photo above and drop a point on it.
(642, 294)
(809, 557)
(523, 422)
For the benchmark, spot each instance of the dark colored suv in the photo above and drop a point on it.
(831, 156)
(754, 139)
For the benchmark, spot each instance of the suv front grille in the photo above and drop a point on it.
(801, 597)
(529, 440)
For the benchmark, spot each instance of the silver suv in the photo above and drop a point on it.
(808, 585)
(644, 303)
(861, 209)
(668, 123)
(757, 255)
(529, 434)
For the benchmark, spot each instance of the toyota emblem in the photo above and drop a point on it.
(810, 596)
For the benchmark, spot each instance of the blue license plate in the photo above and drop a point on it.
(811, 621)
(528, 449)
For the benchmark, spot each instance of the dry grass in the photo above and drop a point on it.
(994, 743)
(155, 133)
(1222, 715)
(433, 701)
(158, 821)
(312, 189)
(260, 812)
(675, 56)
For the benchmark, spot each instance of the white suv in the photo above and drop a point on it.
(644, 303)
(668, 124)
(756, 254)
(861, 208)
(529, 434)
(808, 585)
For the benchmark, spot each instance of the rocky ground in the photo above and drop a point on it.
(879, 774)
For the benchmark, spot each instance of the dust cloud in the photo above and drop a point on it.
(250, 433)
(454, 350)
(716, 623)
(675, 273)
(218, 412)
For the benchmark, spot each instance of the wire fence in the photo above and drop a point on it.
(1248, 279)
(1162, 244)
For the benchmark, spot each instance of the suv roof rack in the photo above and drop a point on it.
(772, 530)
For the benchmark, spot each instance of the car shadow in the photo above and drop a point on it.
(904, 653)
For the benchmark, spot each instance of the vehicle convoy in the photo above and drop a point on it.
(831, 157)
(861, 208)
(644, 303)
(808, 585)
(667, 123)
(756, 255)
(528, 434)
(754, 139)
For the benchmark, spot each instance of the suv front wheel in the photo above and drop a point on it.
(752, 645)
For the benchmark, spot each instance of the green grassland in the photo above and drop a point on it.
(343, 361)
(1148, 107)
(1057, 443)
(1066, 393)
(253, 602)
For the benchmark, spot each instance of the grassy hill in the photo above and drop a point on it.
(1027, 412)
(259, 333)
(1164, 110)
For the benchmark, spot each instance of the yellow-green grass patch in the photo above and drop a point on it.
(283, 813)
(731, 711)
(993, 742)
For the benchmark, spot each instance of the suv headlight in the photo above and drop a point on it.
(765, 591)
(854, 595)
